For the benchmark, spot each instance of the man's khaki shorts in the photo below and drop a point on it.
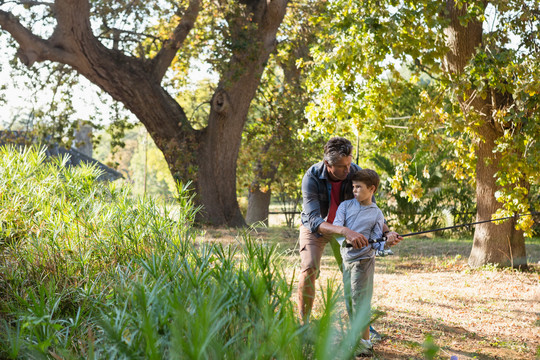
(311, 249)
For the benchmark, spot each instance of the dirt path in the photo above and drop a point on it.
(472, 314)
(427, 289)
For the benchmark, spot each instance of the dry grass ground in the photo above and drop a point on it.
(427, 289)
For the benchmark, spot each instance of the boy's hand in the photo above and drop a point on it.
(357, 240)
(393, 238)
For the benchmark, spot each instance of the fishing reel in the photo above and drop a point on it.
(370, 241)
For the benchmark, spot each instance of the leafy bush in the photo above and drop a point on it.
(89, 272)
(428, 199)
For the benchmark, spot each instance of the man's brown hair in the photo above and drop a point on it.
(336, 148)
(368, 177)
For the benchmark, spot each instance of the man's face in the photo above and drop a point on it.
(340, 169)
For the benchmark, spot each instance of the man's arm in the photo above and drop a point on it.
(311, 204)
(392, 237)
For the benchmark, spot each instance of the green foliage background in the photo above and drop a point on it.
(358, 86)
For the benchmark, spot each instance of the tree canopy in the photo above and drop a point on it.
(274, 158)
(139, 53)
(481, 61)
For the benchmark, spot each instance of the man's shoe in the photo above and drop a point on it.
(374, 335)
(384, 252)
(364, 349)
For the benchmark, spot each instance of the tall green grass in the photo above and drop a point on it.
(89, 272)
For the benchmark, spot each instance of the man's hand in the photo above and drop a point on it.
(357, 240)
(393, 238)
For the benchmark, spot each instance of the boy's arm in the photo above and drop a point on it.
(341, 215)
(392, 237)
(377, 232)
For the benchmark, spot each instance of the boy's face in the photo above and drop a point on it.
(362, 192)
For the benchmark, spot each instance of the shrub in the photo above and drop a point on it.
(88, 271)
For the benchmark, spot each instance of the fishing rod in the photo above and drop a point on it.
(372, 241)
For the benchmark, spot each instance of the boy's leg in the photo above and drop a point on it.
(347, 292)
(361, 283)
(374, 334)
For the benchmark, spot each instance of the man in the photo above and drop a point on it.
(324, 186)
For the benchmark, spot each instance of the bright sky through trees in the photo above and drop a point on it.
(21, 99)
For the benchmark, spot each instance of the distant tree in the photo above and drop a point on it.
(418, 191)
(139, 52)
(141, 163)
(273, 155)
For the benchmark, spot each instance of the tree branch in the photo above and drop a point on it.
(163, 59)
(273, 18)
(32, 48)
(36, 3)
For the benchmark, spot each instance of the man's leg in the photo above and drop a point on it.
(311, 249)
(306, 292)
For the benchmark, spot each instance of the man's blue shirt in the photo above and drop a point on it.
(316, 189)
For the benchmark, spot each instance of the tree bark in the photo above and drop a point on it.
(502, 244)
(206, 157)
(258, 204)
(260, 192)
(291, 97)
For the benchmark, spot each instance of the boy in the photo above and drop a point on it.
(363, 216)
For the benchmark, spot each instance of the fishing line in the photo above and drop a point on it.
(372, 241)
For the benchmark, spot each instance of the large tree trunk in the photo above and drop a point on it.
(493, 244)
(208, 156)
(291, 97)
